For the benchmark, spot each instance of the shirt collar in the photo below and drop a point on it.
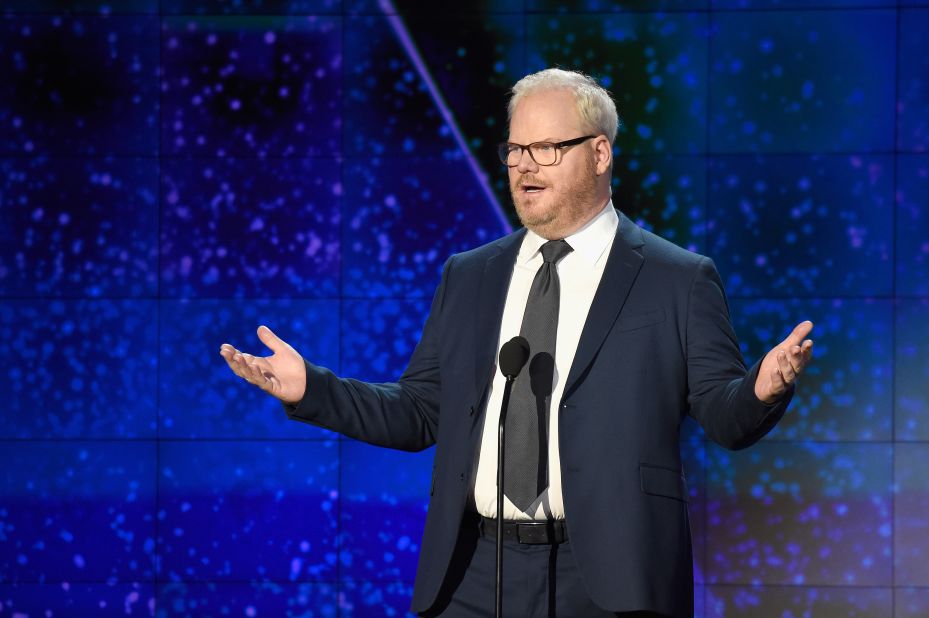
(589, 242)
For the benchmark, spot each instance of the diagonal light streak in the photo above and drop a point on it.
(399, 28)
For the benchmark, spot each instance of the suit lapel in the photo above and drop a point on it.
(621, 269)
(498, 270)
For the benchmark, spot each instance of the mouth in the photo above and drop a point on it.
(531, 189)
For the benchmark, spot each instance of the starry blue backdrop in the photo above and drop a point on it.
(174, 173)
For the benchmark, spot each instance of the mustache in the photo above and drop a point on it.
(527, 181)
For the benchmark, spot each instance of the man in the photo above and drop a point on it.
(628, 334)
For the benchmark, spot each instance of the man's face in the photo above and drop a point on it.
(553, 201)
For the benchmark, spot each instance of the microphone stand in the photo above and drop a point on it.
(500, 448)
(513, 357)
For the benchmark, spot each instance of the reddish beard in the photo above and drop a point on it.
(569, 205)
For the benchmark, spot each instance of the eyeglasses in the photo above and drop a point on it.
(543, 153)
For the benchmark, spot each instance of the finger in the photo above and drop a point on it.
(778, 385)
(230, 354)
(788, 375)
(795, 358)
(267, 336)
(251, 372)
(799, 333)
(807, 351)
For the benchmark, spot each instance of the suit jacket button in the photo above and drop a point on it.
(461, 476)
(471, 411)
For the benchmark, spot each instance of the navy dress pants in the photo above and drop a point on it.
(539, 581)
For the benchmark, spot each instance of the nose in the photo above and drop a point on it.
(526, 163)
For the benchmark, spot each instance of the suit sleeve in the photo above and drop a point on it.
(402, 415)
(721, 392)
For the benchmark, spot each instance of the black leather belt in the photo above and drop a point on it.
(550, 532)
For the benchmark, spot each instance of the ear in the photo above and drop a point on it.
(603, 154)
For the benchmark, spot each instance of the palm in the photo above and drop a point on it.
(784, 363)
(282, 374)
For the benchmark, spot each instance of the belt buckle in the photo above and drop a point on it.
(534, 533)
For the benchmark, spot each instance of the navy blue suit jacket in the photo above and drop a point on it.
(657, 345)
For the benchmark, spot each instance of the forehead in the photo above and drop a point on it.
(549, 114)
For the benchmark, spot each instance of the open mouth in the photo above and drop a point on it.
(532, 189)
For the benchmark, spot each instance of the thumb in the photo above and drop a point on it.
(267, 336)
(800, 332)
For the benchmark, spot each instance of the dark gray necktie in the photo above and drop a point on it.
(526, 454)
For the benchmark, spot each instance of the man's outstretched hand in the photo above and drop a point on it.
(282, 374)
(784, 363)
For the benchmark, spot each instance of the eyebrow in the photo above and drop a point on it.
(544, 139)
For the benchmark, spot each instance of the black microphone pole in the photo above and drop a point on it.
(513, 356)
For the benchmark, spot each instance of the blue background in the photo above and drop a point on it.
(174, 173)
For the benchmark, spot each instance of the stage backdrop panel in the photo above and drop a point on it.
(767, 507)
(911, 529)
(767, 601)
(234, 228)
(191, 600)
(83, 85)
(78, 227)
(378, 336)
(401, 224)
(73, 599)
(912, 274)
(913, 79)
(241, 512)
(802, 81)
(665, 194)
(197, 398)
(77, 512)
(911, 400)
(802, 226)
(77, 372)
(847, 394)
(251, 87)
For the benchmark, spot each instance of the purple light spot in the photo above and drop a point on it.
(383, 242)
(270, 38)
(257, 224)
(235, 104)
(251, 611)
(79, 561)
(295, 566)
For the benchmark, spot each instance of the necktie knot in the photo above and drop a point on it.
(554, 250)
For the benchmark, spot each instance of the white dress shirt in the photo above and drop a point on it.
(579, 274)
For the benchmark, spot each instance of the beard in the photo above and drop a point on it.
(561, 210)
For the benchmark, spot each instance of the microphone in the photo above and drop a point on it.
(513, 357)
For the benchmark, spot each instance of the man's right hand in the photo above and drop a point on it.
(282, 374)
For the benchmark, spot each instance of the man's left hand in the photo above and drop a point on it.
(784, 363)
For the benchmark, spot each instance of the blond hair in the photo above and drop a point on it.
(594, 104)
